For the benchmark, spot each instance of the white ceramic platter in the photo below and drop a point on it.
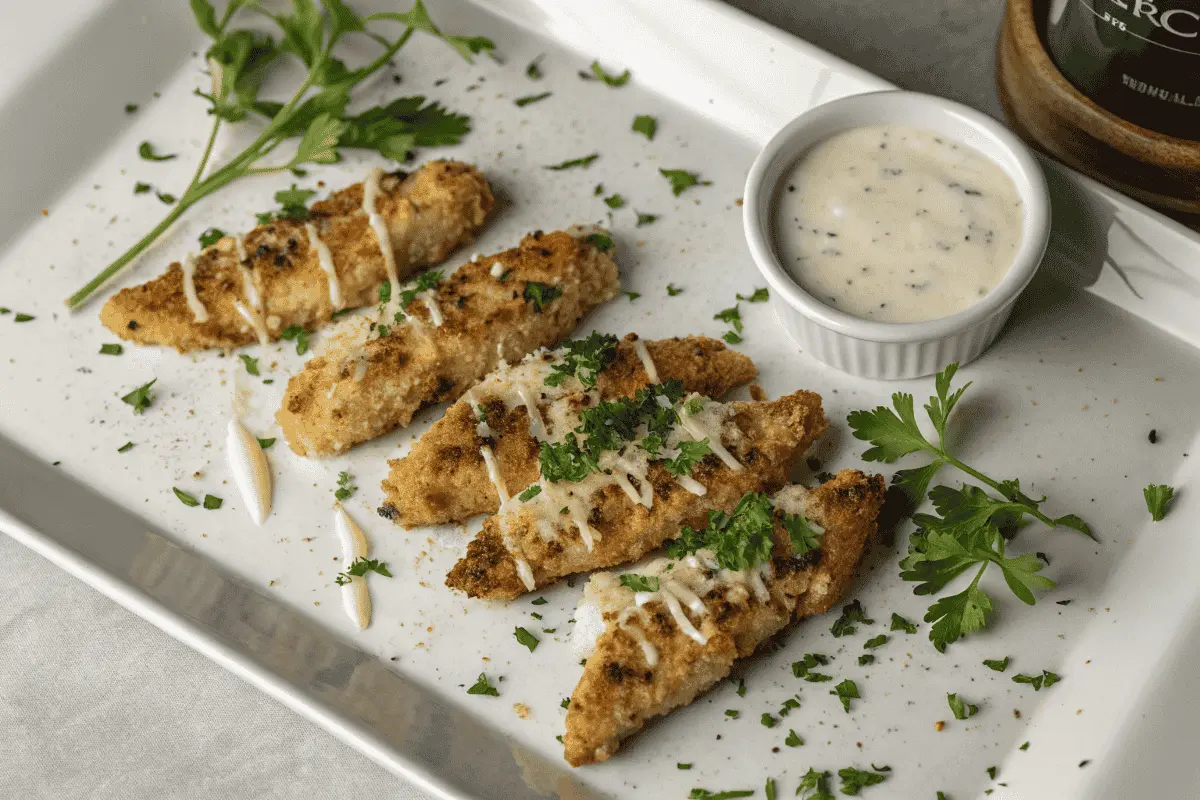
(1064, 401)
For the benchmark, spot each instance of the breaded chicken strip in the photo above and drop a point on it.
(531, 544)
(279, 275)
(658, 650)
(499, 306)
(444, 478)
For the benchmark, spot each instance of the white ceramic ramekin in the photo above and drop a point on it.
(894, 350)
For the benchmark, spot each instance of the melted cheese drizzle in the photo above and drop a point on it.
(706, 425)
(497, 270)
(493, 470)
(254, 320)
(251, 472)
(356, 598)
(253, 312)
(639, 347)
(379, 226)
(429, 298)
(199, 312)
(326, 260)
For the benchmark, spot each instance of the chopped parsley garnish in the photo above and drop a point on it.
(645, 219)
(866, 659)
(23, 318)
(705, 794)
(673, 290)
(683, 766)
(585, 359)
(526, 639)
(599, 190)
(855, 780)
(131, 108)
(299, 334)
(632, 295)
(739, 540)
(141, 188)
(564, 461)
(165, 197)
(385, 292)
(793, 739)
(346, 487)
(601, 241)
(541, 294)
(740, 691)
(571, 163)
(731, 337)
(265, 443)
(768, 721)
(614, 201)
(899, 623)
(481, 686)
(853, 614)
(125, 448)
(534, 70)
(640, 583)
(185, 498)
(991, 771)
(1158, 497)
(212, 502)
(211, 237)
(645, 125)
(690, 454)
(759, 296)
(814, 786)
(111, 350)
(730, 316)
(611, 80)
(1024, 746)
(250, 362)
(360, 567)
(1046, 679)
(966, 532)
(846, 691)
(425, 282)
(875, 641)
(529, 99)
(293, 204)
(4, 310)
(804, 535)
(146, 151)
(810, 660)
(530, 493)
(535, 615)
(565, 703)
(140, 398)
(997, 664)
(540, 601)
(961, 709)
(769, 789)
(682, 180)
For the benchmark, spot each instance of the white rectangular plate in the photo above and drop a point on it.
(1100, 350)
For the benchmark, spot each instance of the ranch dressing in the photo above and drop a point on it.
(896, 224)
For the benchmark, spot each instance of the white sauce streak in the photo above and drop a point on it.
(252, 313)
(497, 270)
(493, 469)
(199, 312)
(898, 224)
(251, 472)
(429, 298)
(639, 347)
(356, 598)
(326, 260)
(379, 226)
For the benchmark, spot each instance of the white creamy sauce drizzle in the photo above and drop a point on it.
(537, 428)
(252, 312)
(356, 598)
(493, 471)
(497, 269)
(639, 347)
(524, 572)
(898, 224)
(199, 312)
(379, 226)
(429, 298)
(325, 258)
(692, 485)
(251, 472)
(707, 424)
(254, 320)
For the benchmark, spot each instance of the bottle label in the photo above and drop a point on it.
(1160, 23)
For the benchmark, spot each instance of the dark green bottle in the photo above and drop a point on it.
(1140, 59)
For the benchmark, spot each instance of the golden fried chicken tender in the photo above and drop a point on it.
(488, 311)
(444, 478)
(766, 438)
(282, 283)
(620, 689)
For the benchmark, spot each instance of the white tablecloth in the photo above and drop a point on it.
(96, 703)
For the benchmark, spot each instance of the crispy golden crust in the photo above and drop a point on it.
(444, 478)
(333, 404)
(619, 692)
(773, 435)
(429, 213)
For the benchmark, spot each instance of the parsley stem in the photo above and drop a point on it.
(979, 476)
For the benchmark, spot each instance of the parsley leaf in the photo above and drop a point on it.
(853, 614)
(212, 502)
(645, 125)
(140, 398)
(632, 295)
(564, 461)
(611, 80)
(571, 163)
(1046, 679)
(899, 623)
(530, 99)
(997, 664)
(266, 443)
(614, 201)
(682, 180)
(855, 780)
(769, 789)
(346, 487)
(585, 359)
(165, 197)
(251, 363)
(293, 204)
(601, 241)
(673, 290)
(645, 219)
(793, 739)
(211, 236)
(482, 686)
(146, 151)
(125, 448)
(530, 493)
(361, 566)
(810, 660)
(393, 130)
(866, 659)
(141, 188)
(730, 316)
(526, 638)
(738, 540)
(768, 721)
(541, 294)
(705, 794)
(299, 334)
(111, 349)
(690, 454)
(640, 583)
(804, 535)
(759, 296)
(185, 498)
(814, 786)
(534, 70)
(958, 614)
(875, 641)
(1158, 497)
(961, 709)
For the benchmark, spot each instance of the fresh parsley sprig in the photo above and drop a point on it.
(240, 59)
